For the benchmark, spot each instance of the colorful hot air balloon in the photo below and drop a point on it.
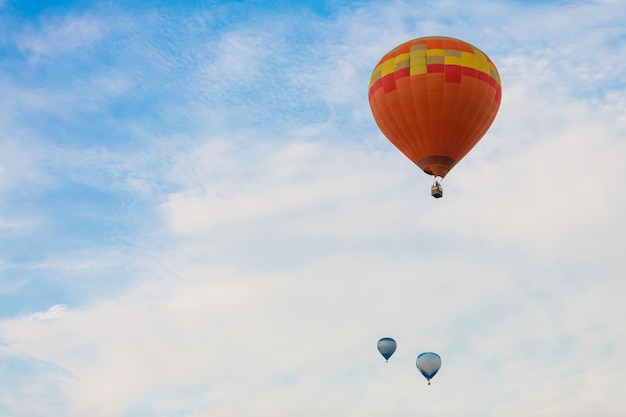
(428, 363)
(434, 98)
(386, 347)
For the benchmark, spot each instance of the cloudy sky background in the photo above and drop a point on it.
(199, 216)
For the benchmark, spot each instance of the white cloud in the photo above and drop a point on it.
(19, 163)
(252, 338)
(61, 36)
(237, 57)
(280, 260)
(52, 313)
(287, 183)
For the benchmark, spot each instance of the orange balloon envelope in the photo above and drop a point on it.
(434, 98)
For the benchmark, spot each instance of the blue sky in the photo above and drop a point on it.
(199, 216)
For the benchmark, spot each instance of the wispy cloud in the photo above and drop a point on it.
(236, 234)
(61, 35)
(52, 313)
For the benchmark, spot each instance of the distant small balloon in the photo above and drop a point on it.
(428, 363)
(386, 347)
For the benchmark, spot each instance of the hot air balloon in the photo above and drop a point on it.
(434, 98)
(386, 347)
(428, 363)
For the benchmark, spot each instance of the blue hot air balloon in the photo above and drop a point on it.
(428, 363)
(386, 347)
